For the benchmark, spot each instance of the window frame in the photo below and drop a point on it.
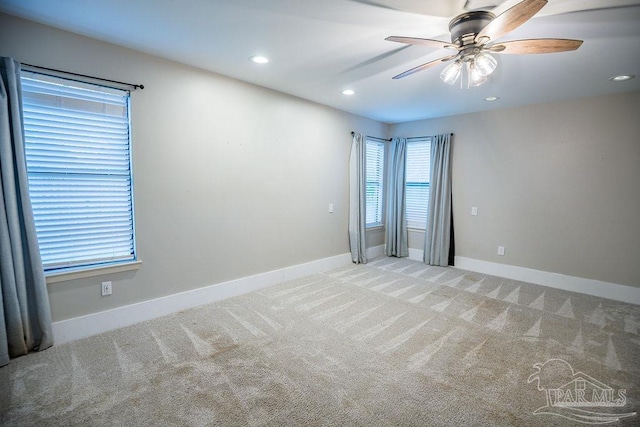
(86, 267)
(410, 216)
(381, 147)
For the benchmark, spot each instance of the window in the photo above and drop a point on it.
(418, 170)
(374, 170)
(79, 168)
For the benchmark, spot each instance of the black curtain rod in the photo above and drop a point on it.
(353, 133)
(413, 137)
(374, 137)
(135, 86)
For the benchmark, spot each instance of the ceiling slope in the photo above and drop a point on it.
(317, 49)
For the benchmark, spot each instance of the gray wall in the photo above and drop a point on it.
(557, 184)
(231, 179)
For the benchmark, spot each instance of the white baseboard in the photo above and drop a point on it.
(95, 323)
(597, 288)
(376, 251)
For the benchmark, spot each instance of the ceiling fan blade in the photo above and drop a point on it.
(424, 66)
(422, 42)
(510, 19)
(536, 46)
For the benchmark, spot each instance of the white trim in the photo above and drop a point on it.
(375, 251)
(597, 288)
(82, 273)
(96, 323)
(414, 254)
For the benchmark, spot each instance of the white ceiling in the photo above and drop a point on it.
(320, 47)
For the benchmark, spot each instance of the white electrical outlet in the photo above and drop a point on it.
(106, 288)
(501, 250)
(474, 211)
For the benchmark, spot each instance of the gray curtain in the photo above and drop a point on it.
(25, 319)
(396, 221)
(437, 238)
(357, 199)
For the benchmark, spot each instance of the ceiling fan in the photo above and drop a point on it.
(473, 37)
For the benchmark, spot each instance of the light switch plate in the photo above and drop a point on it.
(474, 211)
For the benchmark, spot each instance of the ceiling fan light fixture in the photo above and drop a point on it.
(485, 64)
(476, 78)
(451, 73)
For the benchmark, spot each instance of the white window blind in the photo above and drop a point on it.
(79, 169)
(374, 170)
(418, 170)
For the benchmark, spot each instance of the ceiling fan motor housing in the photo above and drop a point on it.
(466, 26)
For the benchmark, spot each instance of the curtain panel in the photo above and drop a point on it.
(357, 199)
(25, 318)
(437, 241)
(396, 235)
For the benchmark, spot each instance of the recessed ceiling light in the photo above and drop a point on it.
(491, 98)
(348, 92)
(259, 59)
(622, 77)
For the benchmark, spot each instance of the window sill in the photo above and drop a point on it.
(64, 276)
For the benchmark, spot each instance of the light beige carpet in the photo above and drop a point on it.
(391, 343)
